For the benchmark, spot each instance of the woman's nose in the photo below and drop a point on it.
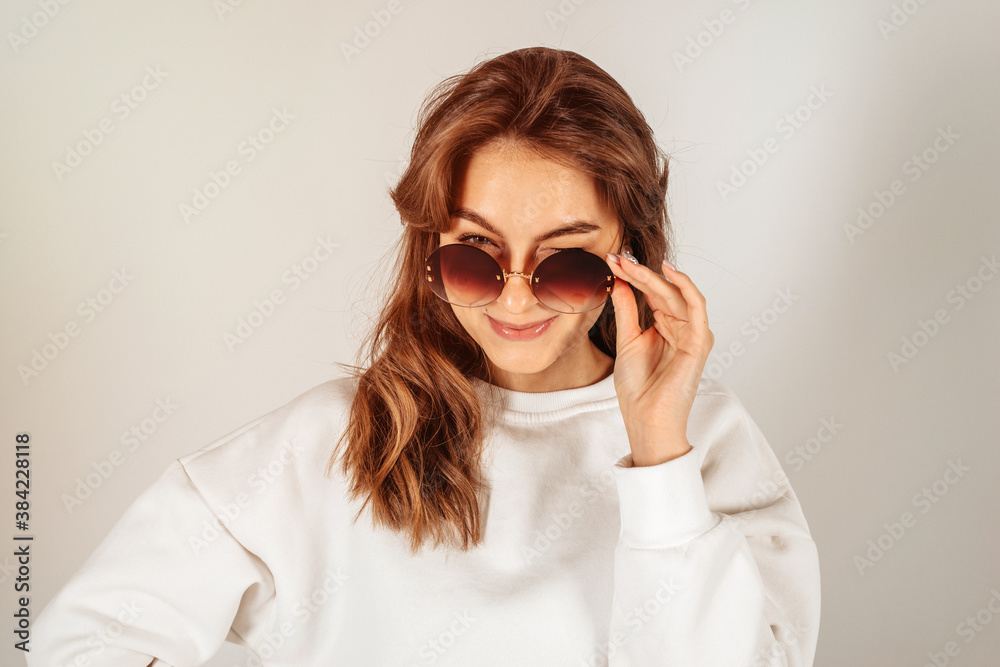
(517, 290)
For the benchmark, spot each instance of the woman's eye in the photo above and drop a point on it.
(477, 240)
(467, 238)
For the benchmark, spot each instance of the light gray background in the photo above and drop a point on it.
(825, 358)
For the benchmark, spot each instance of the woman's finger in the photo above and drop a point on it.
(662, 324)
(626, 311)
(696, 305)
(659, 292)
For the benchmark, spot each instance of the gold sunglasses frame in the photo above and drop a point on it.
(530, 277)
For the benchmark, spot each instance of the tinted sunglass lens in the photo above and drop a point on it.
(573, 281)
(463, 275)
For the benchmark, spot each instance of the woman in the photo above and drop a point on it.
(548, 479)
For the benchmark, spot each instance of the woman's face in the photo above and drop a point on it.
(522, 196)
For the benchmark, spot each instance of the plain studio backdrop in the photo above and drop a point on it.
(195, 226)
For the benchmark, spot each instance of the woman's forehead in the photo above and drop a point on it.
(501, 189)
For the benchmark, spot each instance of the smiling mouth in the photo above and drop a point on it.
(519, 327)
(529, 333)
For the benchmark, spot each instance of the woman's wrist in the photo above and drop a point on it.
(651, 451)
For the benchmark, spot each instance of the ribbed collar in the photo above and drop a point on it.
(535, 406)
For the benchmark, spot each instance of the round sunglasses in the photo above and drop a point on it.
(568, 281)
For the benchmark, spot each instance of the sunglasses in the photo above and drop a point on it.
(568, 281)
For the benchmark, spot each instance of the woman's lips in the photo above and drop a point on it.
(529, 333)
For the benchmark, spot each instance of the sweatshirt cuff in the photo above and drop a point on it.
(662, 505)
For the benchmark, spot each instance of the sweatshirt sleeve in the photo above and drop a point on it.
(715, 565)
(165, 587)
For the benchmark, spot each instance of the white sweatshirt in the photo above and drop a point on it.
(702, 560)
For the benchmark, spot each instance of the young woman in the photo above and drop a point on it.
(530, 469)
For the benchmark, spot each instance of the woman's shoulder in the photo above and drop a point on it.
(284, 448)
(720, 421)
(717, 398)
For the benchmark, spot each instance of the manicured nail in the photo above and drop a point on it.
(627, 255)
(669, 265)
(612, 257)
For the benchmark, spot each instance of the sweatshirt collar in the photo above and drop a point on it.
(599, 395)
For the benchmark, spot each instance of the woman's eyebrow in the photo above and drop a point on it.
(574, 227)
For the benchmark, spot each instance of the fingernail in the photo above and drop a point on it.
(669, 265)
(612, 257)
(627, 255)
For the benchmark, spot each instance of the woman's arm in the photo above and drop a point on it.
(715, 564)
(169, 583)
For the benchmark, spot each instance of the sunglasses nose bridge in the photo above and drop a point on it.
(527, 276)
(508, 274)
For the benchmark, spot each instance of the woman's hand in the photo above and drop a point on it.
(657, 370)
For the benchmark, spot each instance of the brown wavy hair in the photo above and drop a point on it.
(416, 427)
